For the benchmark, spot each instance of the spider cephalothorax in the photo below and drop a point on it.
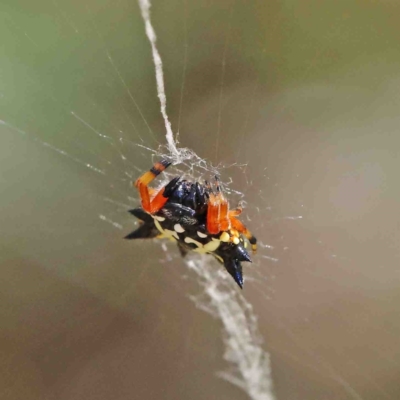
(196, 216)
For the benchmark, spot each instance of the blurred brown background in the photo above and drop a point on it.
(309, 101)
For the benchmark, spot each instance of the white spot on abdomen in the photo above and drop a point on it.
(178, 228)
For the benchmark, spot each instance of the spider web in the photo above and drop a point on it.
(251, 369)
(116, 153)
(80, 114)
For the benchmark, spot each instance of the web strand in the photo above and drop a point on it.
(151, 35)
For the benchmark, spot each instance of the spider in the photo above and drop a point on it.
(196, 216)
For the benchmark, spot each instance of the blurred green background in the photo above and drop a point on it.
(304, 92)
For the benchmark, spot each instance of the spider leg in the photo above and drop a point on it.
(236, 212)
(240, 227)
(223, 215)
(212, 211)
(218, 209)
(171, 186)
(152, 205)
(190, 199)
